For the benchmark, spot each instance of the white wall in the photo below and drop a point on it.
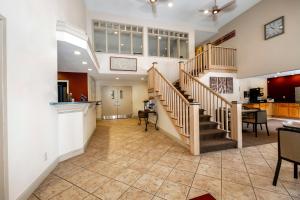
(139, 93)
(230, 97)
(168, 66)
(256, 56)
(31, 85)
(248, 83)
(72, 12)
(239, 85)
(91, 89)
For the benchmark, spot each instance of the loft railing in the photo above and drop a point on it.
(213, 58)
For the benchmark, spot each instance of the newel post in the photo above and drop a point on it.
(194, 129)
(181, 67)
(236, 123)
(209, 48)
(155, 86)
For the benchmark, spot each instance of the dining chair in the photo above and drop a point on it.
(260, 117)
(288, 149)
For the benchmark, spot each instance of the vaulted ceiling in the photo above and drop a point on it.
(183, 12)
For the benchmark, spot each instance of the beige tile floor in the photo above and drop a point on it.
(124, 162)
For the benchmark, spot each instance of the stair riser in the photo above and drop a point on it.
(212, 136)
(204, 118)
(217, 147)
(208, 126)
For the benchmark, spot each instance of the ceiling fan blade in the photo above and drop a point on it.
(215, 17)
(154, 9)
(230, 3)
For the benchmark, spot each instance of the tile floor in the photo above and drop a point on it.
(124, 162)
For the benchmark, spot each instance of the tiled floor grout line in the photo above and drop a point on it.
(193, 178)
(278, 177)
(252, 186)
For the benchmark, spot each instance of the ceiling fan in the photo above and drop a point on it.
(217, 9)
(153, 4)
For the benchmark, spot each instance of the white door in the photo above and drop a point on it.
(116, 102)
(2, 111)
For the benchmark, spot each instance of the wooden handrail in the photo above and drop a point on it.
(173, 87)
(208, 88)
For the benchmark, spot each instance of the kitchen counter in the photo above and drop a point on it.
(276, 109)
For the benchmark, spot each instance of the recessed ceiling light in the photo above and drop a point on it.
(206, 12)
(84, 63)
(77, 52)
(170, 4)
(159, 37)
(278, 73)
(215, 12)
(152, 1)
(117, 78)
(90, 69)
(116, 32)
(122, 44)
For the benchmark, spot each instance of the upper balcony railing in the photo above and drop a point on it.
(212, 58)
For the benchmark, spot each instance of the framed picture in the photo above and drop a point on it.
(222, 85)
(274, 28)
(123, 64)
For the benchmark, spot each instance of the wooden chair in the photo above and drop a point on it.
(288, 149)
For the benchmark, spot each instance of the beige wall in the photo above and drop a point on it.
(257, 56)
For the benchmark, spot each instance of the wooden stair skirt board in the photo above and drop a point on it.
(204, 197)
(211, 138)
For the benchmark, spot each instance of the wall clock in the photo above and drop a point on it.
(274, 28)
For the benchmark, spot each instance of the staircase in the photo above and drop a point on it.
(211, 137)
(205, 120)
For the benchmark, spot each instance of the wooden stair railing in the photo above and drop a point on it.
(226, 114)
(183, 114)
(214, 58)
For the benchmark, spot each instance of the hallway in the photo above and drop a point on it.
(124, 162)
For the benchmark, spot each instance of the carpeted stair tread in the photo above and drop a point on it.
(208, 125)
(204, 118)
(217, 145)
(212, 134)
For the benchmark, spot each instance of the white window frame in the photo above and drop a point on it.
(96, 24)
(169, 34)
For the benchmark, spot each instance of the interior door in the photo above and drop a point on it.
(124, 101)
(116, 102)
(109, 102)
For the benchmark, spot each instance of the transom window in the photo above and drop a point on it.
(164, 43)
(111, 37)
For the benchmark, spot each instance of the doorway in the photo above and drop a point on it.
(63, 90)
(116, 102)
(3, 130)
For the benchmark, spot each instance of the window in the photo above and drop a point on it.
(164, 43)
(110, 37)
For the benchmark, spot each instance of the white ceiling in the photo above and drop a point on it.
(184, 12)
(67, 61)
(121, 77)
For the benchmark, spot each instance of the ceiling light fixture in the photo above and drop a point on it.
(90, 69)
(142, 78)
(117, 78)
(77, 52)
(116, 32)
(152, 1)
(215, 11)
(206, 12)
(170, 4)
(84, 63)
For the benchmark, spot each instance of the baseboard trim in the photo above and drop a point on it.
(71, 154)
(172, 137)
(36, 183)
